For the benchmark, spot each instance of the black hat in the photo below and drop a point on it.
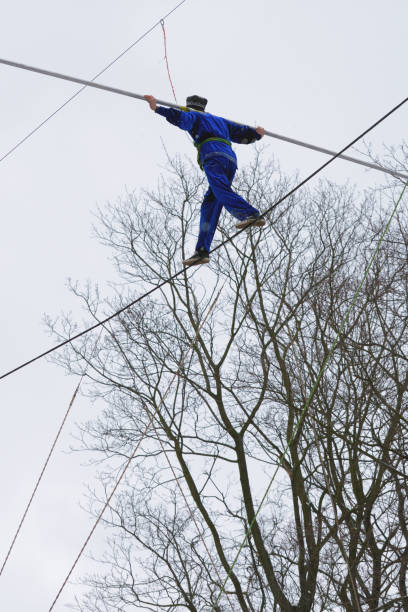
(196, 102)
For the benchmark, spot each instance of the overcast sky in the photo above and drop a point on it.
(317, 71)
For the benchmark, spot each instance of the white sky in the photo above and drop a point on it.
(317, 71)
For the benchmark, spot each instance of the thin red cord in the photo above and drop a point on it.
(165, 57)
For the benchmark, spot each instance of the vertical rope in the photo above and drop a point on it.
(166, 58)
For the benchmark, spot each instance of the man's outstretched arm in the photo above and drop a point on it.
(244, 134)
(183, 120)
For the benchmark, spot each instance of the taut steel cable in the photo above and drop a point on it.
(170, 278)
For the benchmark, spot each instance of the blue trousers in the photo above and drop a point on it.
(220, 172)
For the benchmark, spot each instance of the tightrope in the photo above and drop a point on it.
(222, 244)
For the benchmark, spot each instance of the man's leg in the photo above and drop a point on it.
(220, 173)
(209, 215)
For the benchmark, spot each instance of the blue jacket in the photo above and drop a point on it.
(203, 125)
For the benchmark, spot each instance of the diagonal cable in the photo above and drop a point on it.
(225, 242)
(37, 484)
(314, 388)
(34, 130)
(50, 453)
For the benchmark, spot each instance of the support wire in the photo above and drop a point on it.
(219, 246)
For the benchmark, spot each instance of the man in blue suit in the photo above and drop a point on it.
(212, 137)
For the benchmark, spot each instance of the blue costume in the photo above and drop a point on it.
(212, 136)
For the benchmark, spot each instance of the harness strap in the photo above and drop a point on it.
(198, 146)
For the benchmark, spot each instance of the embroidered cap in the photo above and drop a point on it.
(196, 102)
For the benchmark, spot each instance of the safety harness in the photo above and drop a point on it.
(198, 146)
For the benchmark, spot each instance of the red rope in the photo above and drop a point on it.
(165, 57)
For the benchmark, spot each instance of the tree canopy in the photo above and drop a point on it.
(332, 533)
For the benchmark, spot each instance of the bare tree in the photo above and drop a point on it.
(332, 533)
